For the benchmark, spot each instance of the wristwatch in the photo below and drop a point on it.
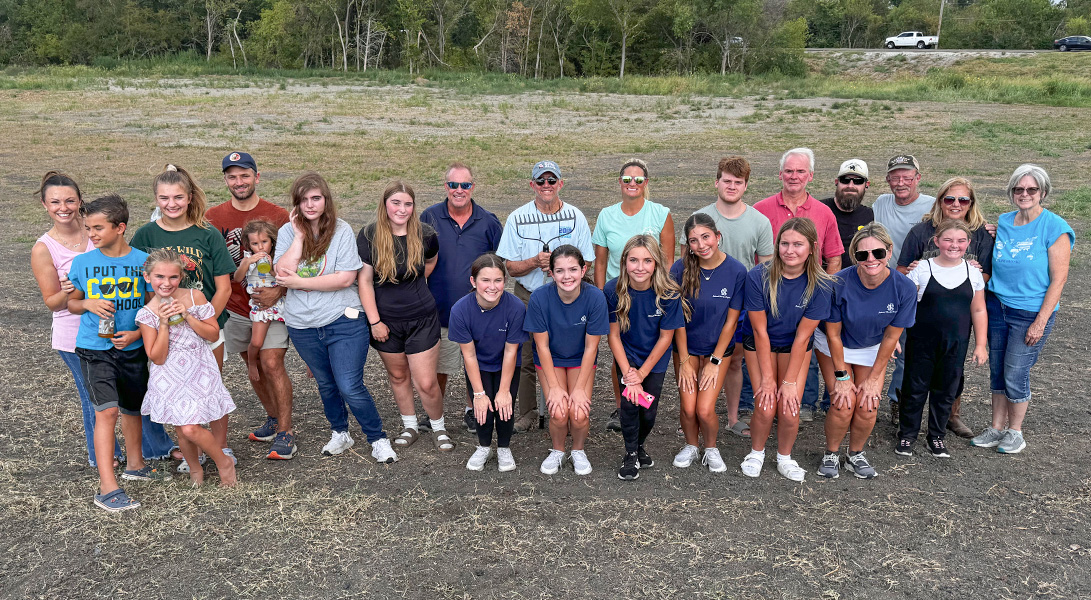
(716, 360)
(841, 375)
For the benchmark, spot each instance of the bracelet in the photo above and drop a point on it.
(481, 393)
(375, 323)
(786, 382)
(845, 378)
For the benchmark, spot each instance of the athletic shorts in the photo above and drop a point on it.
(749, 345)
(237, 331)
(411, 336)
(115, 378)
(450, 355)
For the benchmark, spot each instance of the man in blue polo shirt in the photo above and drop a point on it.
(465, 231)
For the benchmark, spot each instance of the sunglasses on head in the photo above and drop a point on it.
(454, 185)
(546, 180)
(963, 200)
(630, 179)
(847, 179)
(1030, 191)
(878, 253)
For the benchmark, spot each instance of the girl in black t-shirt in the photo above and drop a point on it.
(399, 252)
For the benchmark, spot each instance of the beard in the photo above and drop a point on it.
(847, 200)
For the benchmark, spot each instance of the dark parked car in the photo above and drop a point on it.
(1073, 42)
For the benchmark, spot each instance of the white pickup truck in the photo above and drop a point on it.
(911, 39)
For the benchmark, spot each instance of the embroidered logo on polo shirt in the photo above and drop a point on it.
(889, 309)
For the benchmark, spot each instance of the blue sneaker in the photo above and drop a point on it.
(145, 474)
(115, 501)
(266, 432)
(283, 447)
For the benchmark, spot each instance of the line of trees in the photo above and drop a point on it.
(533, 38)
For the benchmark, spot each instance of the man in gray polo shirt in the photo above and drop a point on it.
(899, 211)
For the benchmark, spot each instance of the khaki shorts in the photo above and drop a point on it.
(450, 356)
(237, 334)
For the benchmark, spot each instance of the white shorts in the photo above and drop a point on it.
(865, 357)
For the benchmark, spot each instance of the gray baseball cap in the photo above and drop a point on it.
(545, 166)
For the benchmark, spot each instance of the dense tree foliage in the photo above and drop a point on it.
(535, 38)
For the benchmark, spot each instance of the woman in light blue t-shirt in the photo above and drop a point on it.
(1030, 267)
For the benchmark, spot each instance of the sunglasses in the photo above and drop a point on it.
(546, 180)
(454, 185)
(878, 253)
(963, 200)
(1030, 191)
(845, 180)
(626, 179)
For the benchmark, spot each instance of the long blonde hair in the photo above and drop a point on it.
(973, 218)
(175, 175)
(384, 253)
(665, 288)
(812, 269)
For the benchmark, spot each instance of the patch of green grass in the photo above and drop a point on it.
(1073, 204)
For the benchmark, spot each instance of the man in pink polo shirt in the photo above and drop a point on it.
(796, 171)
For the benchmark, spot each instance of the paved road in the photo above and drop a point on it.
(925, 51)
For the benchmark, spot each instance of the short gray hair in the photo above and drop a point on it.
(806, 152)
(1037, 173)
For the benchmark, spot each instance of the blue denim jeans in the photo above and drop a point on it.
(899, 371)
(336, 354)
(810, 390)
(1010, 358)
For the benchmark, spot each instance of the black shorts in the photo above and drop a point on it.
(115, 378)
(411, 336)
(748, 345)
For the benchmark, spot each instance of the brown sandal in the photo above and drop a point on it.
(442, 440)
(406, 438)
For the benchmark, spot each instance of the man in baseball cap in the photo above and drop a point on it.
(850, 186)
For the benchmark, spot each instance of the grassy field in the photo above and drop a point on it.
(979, 525)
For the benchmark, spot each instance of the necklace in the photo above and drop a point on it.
(66, 243)
(709, 276)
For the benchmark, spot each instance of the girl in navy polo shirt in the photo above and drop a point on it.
(872, 305)
(712, 285)
(567, 319)
(645, 310)
(785, 300)
(488, 326)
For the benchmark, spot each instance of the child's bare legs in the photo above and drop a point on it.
(105, 422)
(787, 423)
(258, 330)
(198, 436)
(192, 456)
(581, 425)
(558, 426)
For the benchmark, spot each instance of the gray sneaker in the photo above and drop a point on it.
(859, 466)
(831, 465)
(988, 438)
(1012, 442)
(806, 414)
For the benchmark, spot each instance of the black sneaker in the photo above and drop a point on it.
(614, 423)
(644, 461)
(938, 449)
(629, 468)
(904, 448)
(470, 421)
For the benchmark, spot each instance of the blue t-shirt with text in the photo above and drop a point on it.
(489, 330)
(792, 310)
(865, 314)
(120, 280)
(722, 291)
(566, 324)
(646, 320)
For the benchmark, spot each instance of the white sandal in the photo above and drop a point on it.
(791, 470)
(751, 465)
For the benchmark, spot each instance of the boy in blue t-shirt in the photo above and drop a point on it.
(110, 289)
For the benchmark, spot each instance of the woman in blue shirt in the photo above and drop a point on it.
(872, 304)
(487, 324)
(1030, 267)
(785, 300)
(645, 310)
(712, 286)
(567, 319)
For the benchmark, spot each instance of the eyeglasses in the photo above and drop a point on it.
(963, 200)
(454, 185)
(1030, 191)
(878, 253)
(897, 180)
(627, 179)
(546, 180)
(846, 180)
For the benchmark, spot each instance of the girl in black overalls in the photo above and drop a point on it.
(951, 298)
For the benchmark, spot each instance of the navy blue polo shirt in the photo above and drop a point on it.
(459, 247)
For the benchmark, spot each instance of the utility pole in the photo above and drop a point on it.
(939, 28)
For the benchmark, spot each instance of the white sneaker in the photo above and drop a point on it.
(553, 462)
(201, 458)
(380, 451)
(712, 460)
(685, 456)
(791, 470)
(479, 458)
(751, 465)
(580, 464)
(339, 442)
(505, 460)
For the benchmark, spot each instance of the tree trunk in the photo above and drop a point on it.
(210, 20)
(538, 50)
(624, 43)
(367, 43)
(526, 51)
(235, 31)
(725, 50)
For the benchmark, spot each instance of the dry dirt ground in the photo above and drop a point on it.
(979, 525)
